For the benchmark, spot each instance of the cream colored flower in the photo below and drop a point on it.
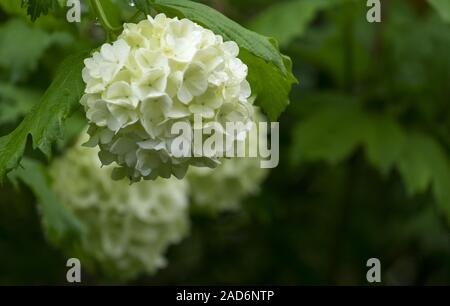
(159, 72)
(129, 227)
(224, 188)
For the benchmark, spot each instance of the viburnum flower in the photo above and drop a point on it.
(159, 72)
(129, 227)
(223, 189)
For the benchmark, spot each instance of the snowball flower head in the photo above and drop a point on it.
(222, 189)
(159, 72)
(128, 227)
(228, 184)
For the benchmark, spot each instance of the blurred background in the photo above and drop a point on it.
(364, 144)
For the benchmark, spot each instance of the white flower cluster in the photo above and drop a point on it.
(129, 226)
(159, 72)
(223, 189)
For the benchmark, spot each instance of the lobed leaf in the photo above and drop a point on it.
(36, 8)
(333, 133)
(288, 20)
(44, 122)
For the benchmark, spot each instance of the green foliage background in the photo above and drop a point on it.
(365, 149)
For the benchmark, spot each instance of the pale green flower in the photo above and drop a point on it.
(161, 71)
(106, 64)
(224, 188)
(129, 227)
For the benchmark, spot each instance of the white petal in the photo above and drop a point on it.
(184, 95)
(107, 52)
(230, 48)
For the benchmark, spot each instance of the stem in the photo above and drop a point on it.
(97, 8)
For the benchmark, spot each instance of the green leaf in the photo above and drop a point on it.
(414, 164)
(37, 7)
(143, 6)
(21, 46)
(44, 122)
(288, 20)
(261, 54)
(442, 7)
(441, 182)
(335, 131)
(424, 164)
(15, 102)
(331, 134)
(271, 87)
(62, 227)
(383, 142)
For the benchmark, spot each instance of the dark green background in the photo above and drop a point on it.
(328, 207)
